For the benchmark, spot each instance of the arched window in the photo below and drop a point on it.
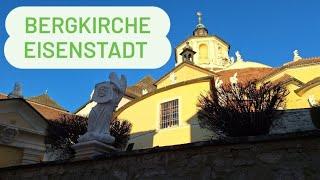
(203, 51)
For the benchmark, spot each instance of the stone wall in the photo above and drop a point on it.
(286, 156)
(294, 120)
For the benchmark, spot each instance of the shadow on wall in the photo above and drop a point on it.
(197, 133)
(145, 139)
(142, 140)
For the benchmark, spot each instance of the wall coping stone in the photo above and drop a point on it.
(201, 144)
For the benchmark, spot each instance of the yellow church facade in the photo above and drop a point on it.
(166, 114)
(200, 60)
(302, 79)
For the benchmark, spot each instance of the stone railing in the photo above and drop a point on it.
(278, 156)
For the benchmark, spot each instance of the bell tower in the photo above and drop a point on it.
(187, 53)
(202, 49)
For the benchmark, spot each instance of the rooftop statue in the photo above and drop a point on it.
(239, 58)
(107, 95)
(16, 92)
(231, 60)
(296, 55)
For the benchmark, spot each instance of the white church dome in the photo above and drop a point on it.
(246, 64)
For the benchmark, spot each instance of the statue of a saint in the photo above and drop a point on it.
(17, 91)
(107, 95)
(296, 55)
(238, 57)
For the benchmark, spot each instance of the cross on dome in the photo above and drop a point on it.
(200, 25)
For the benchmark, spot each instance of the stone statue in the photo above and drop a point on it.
(231, 60)
(218, 83)
(144, 91)
(296, 55)
(107, 95)
(17, 91)
(238, 55)
(312, 101)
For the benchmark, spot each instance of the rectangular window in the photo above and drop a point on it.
(169, 114)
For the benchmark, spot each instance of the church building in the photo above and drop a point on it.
(164, 112)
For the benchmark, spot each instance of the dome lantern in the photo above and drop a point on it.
(200, 30)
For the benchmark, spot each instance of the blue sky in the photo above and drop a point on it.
(264, 31)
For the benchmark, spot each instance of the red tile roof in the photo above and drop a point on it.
(306, 86)
(286, 78)
(298, 63)
(245, 75)
(144, 83)
(50, 113)
(3, 96)
(45, 99)
(304, 61)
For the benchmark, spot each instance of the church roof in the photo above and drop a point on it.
(186, 63)
(3, 96)
(50, 113)
(286, 79)
(246, 64)
(45, 99)
(303, 62)
(244, 75)
(145, 83)
(310, 84)
(294, 64)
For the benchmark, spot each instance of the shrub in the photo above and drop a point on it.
(62, 133)
(121, 131)
(241, 110)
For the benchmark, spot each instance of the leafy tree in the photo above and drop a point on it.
(241, 109)
(62, 133)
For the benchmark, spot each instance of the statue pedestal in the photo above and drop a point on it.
(91, 149)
